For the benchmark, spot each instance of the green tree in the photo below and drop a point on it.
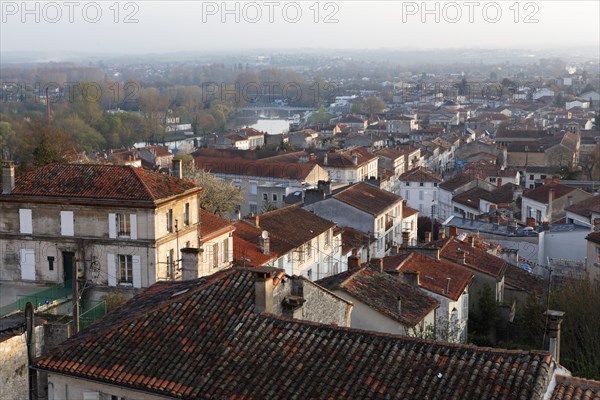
(484, 318)
(217, 197)
(7, 136)
(580, 339)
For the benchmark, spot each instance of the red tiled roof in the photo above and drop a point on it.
(477, 259)
(571, 388)
(472, 197)
(210, 225)
(260, 168)
(343, 158)
(390, 153)
(93, 181)
(437, 276)
(246, 246)
(293, 225)
(354, 239)
(540, 193)
(420, 174)
(523, 280)
(381, 292)
(407, 211)
(586, 207)
(159, 151)
(208, 342)
(368, 198)
(593, 237)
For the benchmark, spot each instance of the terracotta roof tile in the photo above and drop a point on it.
(523, 280)
(540, 193)
(262, 168)
(420, 174)
(381, 292)
(210, 224)
(586, 207)
(93, 181)
(293, 225)
(476, 259)
(437, 276)
(368, 198)
(570, 388)
(209, 343)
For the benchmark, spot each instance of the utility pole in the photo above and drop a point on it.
(75, 294)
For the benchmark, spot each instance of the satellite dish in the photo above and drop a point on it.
(265, 235)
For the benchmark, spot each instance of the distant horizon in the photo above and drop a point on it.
(159, 27)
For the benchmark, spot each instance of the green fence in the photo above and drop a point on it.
(40, 300)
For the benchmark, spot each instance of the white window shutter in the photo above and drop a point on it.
(112, 270)
(66, 223)
(25, 222)
(28, 264)
(133, 222)
(137, 271)
(112, 226)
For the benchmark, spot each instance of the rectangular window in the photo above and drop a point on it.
(327, 238)
(265, 197)
(407, 195)
(274, 197)
(531, 177)
(309, 249)
(25, 222)
(434, 196)
(421, 195)
(421, 184)
(253, 188)
(407, 183)
(125, 269)
(169, 215)
(186, 214)
(124, 224)
(171, 264)
(253, 207)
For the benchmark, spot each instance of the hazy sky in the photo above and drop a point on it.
(169, 26)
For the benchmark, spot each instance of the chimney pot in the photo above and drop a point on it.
(8, 177)
(263, 289)
(554, 320)
(257, 221)
(462, 256)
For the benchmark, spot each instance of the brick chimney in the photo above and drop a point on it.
(554, 319)
(353, 263)
(412, 278)
(471, 241)
(8, 177)
(462, 256)
(265, 243)
(263, 289)
(311, 157)
(189, 263)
